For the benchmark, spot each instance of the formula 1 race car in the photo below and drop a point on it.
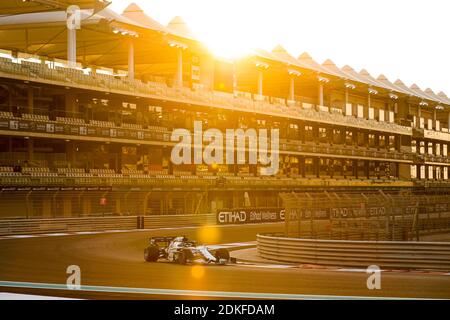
(183, 251)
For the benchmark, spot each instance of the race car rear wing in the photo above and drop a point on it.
(161, 239)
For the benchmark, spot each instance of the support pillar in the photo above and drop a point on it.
(317, 167)
(11, 100)
(118, 205)
(366, 140)
(67, 206)
(86, 208)
(71, 45)
(388, 116)
(320, 94)
(30, 100)
(235, 201)
(146, 198)
(260, 82)
(207, 72)
(366, 169)
(46, 208)
(301, 166)
(355, 168)
(179, 75)
(30, 149)
(235, 82)
(71, 105)
(434, 119)
(70, 152)
(419, 115)
(448, 121)
(131, 65)
(292, 88)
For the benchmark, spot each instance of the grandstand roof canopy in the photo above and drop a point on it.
(281, 54)
(103, 39)
(136, 14)
(38, 27)
(419, 91)
(372, 81)
(307, 60)
(399, 84)
(12, 7)
(179, 27)
(385, 81)
(444, 97)
(329, 68)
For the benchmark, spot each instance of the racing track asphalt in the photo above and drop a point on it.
(116, 259)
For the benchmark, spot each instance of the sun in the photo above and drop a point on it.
(226, 48)
(225, 43)
(227, 32)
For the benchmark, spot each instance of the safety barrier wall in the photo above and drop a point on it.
(40, 226)
(416, 255)
(179, 220)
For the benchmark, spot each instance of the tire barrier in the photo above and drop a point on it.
(403, 255)
(40, 226)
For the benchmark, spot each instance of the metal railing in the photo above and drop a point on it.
(371, 216)
(416, 255)
(43, 226)
(277, 107)
(195, 181)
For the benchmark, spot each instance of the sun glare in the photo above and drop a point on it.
(235, 49)
(208, 234)
(234, 28)
(198, 272)
(228, 38)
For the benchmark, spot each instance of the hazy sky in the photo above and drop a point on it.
(406, 39)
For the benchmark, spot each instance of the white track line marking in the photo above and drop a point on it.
(355, 270)
(86, 232)
(241, 244)
(12, 296)
(266, 266)
(192, 293)
(412, 271)
(20, 237)
(232, 245)
(5, 237)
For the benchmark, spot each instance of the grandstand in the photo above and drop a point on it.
(89, 133)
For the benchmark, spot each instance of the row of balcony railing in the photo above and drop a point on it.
(349, 150)
(242, 102)
(162, 134)
(198, 182)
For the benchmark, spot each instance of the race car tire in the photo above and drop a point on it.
(184, 256)
(222, 254)
(151, 253)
